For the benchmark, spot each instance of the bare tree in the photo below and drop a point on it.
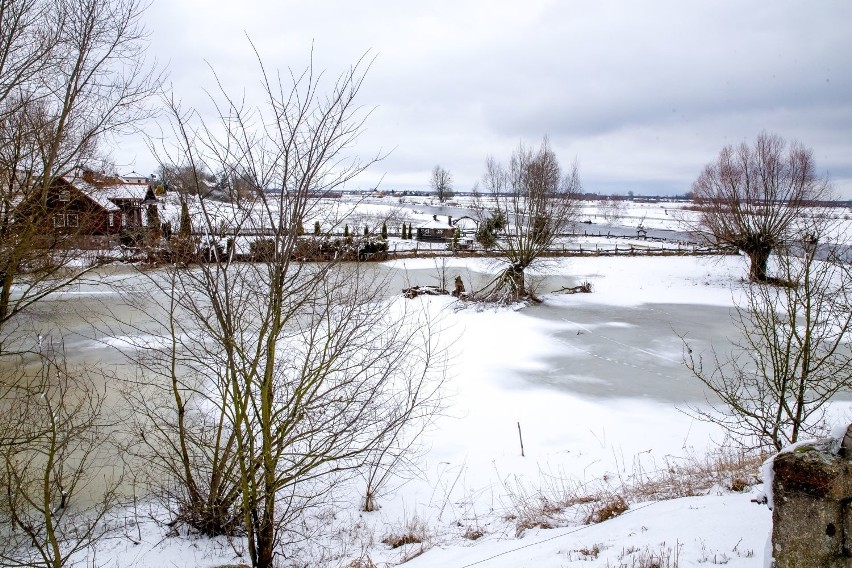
(793, 354)
(612, 210)
(56, 483)
(280, 376)
(26, 46)
(754, 197)
(441, 183)
(83, 79)
(533, 203)
(185, 181)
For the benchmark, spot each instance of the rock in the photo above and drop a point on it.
(812, 519)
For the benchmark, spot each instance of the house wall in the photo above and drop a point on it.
(71, 211)
(425, 234)
(70, 214)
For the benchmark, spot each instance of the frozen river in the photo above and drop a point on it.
(631, 352)
(583, 347)
(605, 351)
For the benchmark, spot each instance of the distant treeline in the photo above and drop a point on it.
(685, 198)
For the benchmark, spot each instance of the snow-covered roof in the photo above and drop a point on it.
(106, 194)
(126, 191)
(136, 178)
(433, 224)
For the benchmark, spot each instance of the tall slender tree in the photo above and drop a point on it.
(300, 379)
(793, 353)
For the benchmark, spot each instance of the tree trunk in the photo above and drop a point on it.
(5, 295)
(185, 228)
(759, 258)
(265, 543)
(515, 280)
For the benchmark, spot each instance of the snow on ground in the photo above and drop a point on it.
(473, 471)
(475, 458)
(692, 531)
(624, 281)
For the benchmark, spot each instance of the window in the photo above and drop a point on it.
(123, 220)
(59, 220)
(65, 195)
(112, 219)
(71, 220)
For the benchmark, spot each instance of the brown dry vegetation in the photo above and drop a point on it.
(563, 501)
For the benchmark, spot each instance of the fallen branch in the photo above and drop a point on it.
(584, 288)
(415, 291)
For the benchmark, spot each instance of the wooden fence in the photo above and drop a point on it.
(571, 250)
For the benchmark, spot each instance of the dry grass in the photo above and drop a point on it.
(560, 501)
(606, 509)
(361, 563)
(544, 507)
(397, 540)
(473, 533)
(585, 554)
(722, 470)
(664, 557)
(414, 531)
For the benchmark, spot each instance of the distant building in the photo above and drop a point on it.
(94, 204)
(436, 231)
(137, 179)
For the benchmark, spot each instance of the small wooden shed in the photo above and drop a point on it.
(436, 231)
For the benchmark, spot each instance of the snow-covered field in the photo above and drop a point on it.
(473, 475)
(596, 386)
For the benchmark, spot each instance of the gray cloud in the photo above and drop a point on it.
(642, 94)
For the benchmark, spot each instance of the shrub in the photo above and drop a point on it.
(607, 509)
(262, 249)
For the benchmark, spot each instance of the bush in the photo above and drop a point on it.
(373, 250)
(605, 510)
(486, 234)
(262, 249)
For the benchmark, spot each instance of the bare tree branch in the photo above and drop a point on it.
(793, 355)
(754, 197)
(533, 203)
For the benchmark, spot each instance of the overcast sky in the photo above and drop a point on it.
(641, 94)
